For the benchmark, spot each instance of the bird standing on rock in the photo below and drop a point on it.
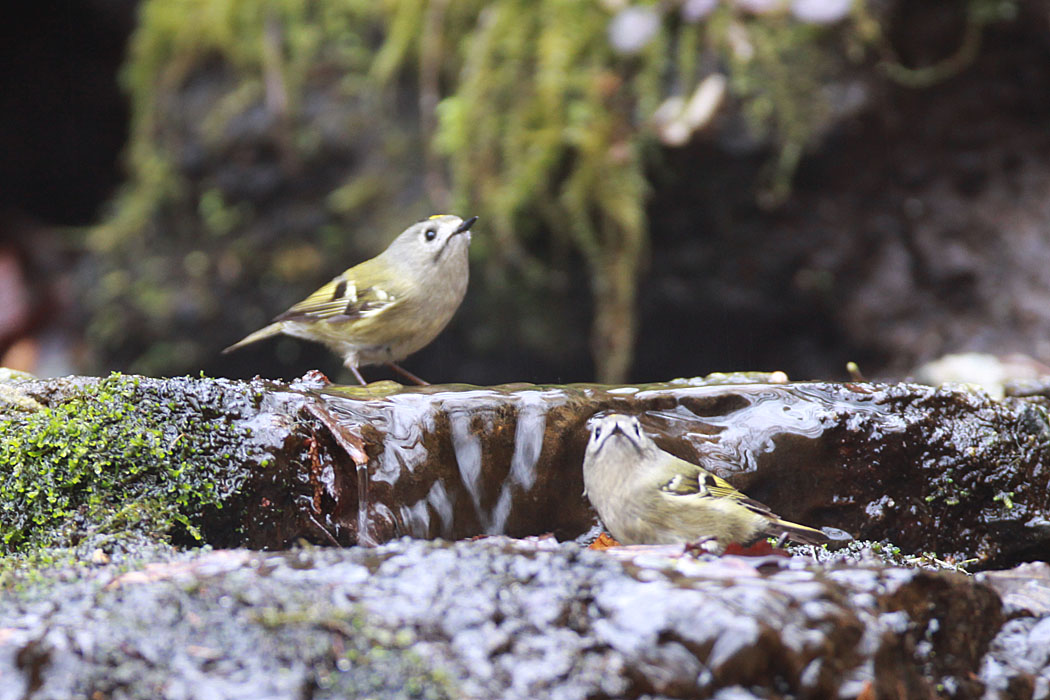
(645, 495)
(386, 308)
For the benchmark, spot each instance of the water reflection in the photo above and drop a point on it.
(454, 464)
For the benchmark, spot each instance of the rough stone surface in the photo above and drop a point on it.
(505, 618)
(948, 471)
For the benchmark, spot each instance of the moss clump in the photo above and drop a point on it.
(122, 455)
(371, 661)
(542, 133)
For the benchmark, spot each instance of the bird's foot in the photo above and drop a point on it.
(701, 545)
(406, 374)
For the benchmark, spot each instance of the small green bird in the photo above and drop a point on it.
(645, 495)
(384, 309)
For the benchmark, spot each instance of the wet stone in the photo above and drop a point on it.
(946, 471)
(1025, 588)
(1018, 662)
(501, 618)
(952, 478)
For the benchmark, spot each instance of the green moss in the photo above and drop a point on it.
(778, 69)
(115, 457)
(35, 572)
(223, 91)
(372, 662)
(20, 573)
(269, 51)
(549, 131)
(541, 134)
(979, 13)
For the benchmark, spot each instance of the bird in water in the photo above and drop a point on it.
(645, 495)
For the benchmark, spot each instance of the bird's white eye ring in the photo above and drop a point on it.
(430, 234)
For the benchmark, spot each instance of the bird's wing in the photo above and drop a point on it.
(341, 299)
(689, 480)
(683, 480)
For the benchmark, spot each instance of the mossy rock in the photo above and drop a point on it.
(121, 455)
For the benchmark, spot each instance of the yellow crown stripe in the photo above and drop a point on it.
(436, 216)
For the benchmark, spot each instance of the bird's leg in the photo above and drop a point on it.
(705, 544)
(360, 379)
(782, 540)
(406, 374)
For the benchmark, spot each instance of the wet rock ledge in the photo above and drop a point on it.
(107, 481)
(502, 618)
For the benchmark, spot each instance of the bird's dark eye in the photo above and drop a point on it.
(598, 431)
(430, 234)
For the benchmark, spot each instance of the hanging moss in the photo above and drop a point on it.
(979, 14)
(778, 70)
(549, 129)
(542, 133)
(270, 139)
(259, 153)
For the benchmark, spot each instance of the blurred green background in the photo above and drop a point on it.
(664, 188)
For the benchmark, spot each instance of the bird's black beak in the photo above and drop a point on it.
(617, 429)
(465, 226)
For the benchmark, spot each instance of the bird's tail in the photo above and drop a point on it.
(272, 329)
(797, 533)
